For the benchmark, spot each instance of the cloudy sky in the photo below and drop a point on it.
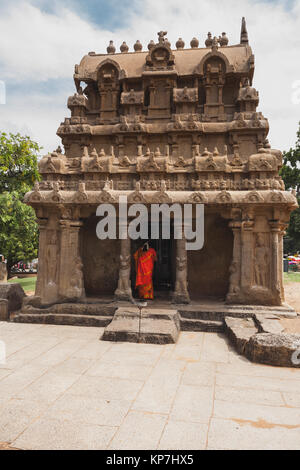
(41, 40)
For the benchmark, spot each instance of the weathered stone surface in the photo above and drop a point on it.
(32, 301)
(61, 319)
(4, 310)
(154, 326)
(274, 349)
(86, 314)
(239, 331)
(268, 323)
(214, 326)
(14, 294)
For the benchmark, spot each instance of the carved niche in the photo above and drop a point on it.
(185, 99)
(132, 102)
(248, 97)
(77, 105)
(93, 98)
(214, 80)
(159, 88)
(108, 85)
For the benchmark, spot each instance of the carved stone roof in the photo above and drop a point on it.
(186, 60)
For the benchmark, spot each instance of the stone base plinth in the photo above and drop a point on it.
(255, 295)
(123, 295)
(158, 326)
(180, 298)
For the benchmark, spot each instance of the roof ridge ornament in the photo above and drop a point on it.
(244, 32)
(111, 48)
(161, 36)
(215, 45)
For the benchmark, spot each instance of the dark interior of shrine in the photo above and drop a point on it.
(208, 268)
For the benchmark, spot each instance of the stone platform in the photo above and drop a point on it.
(255, 331)
(158, 326)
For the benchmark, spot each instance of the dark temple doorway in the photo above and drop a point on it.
(164, 268)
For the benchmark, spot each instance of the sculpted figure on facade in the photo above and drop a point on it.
(262, 254)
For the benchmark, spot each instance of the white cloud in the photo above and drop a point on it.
(36, 115)
(37, 46)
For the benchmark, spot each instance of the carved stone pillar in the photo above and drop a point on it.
(181, 295)
(42, 267)
(123, 291)
(47, 282)
(247, 255)
(71, 284)
(235, 267)
(283, 227)
(276, 259)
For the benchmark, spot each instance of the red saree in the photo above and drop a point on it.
(144, 264)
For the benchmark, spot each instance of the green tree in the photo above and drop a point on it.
(18, 173)
(290, 173)
(18, 162)
(18, 229)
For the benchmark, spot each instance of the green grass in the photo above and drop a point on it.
(291, 277)
(28, 283)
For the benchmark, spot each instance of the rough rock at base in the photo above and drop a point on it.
(274, 349)
(14, 294)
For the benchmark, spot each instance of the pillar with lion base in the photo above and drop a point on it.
(180, 294)
(123, 291)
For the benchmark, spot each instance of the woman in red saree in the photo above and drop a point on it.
(144, 263)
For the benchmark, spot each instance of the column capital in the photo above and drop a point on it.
(247, 225)
(42, 223)
(70, 224)
(274, 225)
(235, 224)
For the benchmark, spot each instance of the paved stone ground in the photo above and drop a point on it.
(62, 388)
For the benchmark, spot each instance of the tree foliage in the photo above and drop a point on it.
(18, 162)
(18, 173)
(18, 229)
(290, 173)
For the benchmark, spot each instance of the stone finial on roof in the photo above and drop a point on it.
(111, 48)
(244, 32)
(167, 43)
(194, 43)
(124, 48)
(223, 40)
(151, 45)
(180, 43)
(209, 40)
(138, 46)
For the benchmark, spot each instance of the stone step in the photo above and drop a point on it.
(154, 326)
(63, 319)
(73, 309)
(219, 314)
(214, 326)
(209, 315)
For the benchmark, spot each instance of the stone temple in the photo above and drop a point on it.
(164, 126)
